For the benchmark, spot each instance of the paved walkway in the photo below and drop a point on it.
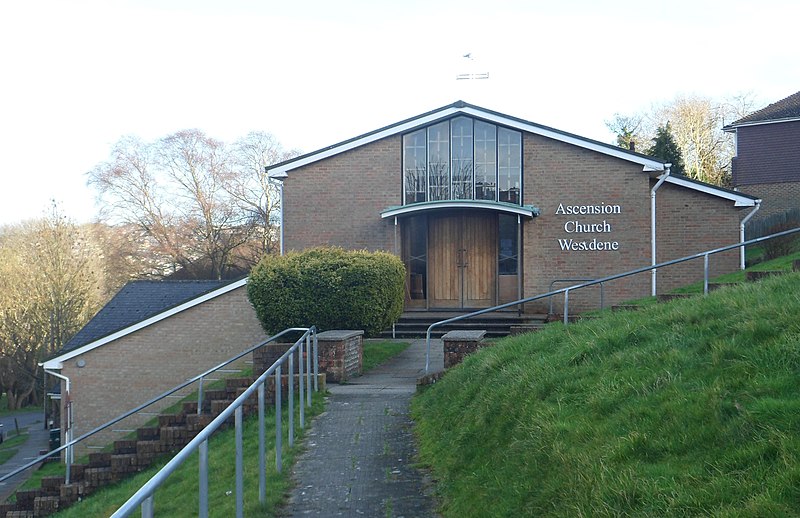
(38, 440)
(360, 456)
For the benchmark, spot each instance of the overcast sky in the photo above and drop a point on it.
(76, 75)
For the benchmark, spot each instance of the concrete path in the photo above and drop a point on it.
(360, 456)
(38, 439)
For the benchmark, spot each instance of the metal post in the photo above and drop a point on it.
(200, 397)
(705, 274)
(203, 482)
(262, 469)
(566, 307)
(291, 399)
(278, 419)
(301, 398)
(308, 370)
(237, 417)
(147, 507)
(316, 363)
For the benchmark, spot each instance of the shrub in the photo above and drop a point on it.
(330, 288)
(781, 246)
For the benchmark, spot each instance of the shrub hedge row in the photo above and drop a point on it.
(328, 287)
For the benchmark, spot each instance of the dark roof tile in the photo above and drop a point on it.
(135, 302)
(787, 108)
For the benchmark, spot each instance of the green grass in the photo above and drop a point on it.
(377, 352)
(12, 443)
(5, 411)
(780, 264)
(690, 408)
(178, 496)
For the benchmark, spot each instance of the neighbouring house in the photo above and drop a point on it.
(150, 337)
(767, 161)
(487, 208)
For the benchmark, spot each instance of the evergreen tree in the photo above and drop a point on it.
(665, 148)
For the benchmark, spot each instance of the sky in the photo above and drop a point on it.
(77, 75)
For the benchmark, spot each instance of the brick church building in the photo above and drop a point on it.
(486, 208)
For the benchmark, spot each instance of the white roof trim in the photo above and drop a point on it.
(521, 210)
(738, 199)
(57, 363)
(648, 165)
(760, 123)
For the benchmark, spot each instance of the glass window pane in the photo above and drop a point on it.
(509, 170)
(439, 161)
(485, 161)
(414, 166)
(507, 249)
(461, 139)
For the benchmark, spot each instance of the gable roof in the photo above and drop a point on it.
(649, 164)
(137, 305)
(280, 170)
(785, 110)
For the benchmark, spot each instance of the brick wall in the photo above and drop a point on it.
(557, 173)
(123, 374)
(776, 198)
(338, 201)
(689, 222)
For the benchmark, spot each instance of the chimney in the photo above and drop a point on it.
(632, 145)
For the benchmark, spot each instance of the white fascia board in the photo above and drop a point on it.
(280, 172)
(57, 362)
(647, 164)
(738, 199)
(733, 127)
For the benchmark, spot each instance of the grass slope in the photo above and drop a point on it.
(682, 409)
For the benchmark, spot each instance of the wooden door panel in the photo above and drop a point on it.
(445, 279)
(463, 260)
(480, 242)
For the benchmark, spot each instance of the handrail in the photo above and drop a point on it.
(566, 290)
(602, 291)
(144, 405)
(145, 495)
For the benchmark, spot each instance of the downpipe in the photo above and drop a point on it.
(741, 232)
(68, 458)
(661, 180)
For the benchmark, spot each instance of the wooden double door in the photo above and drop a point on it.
(462, 260)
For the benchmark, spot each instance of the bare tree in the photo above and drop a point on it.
(696, 123)
(196, 199)
(253, 192)
(48, 290)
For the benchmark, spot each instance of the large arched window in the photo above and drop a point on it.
(462, 159)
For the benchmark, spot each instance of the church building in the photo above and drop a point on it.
(486, 208)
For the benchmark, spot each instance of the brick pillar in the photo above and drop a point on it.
(341, 354)
(458, 344)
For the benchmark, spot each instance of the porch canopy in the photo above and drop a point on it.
(527, 211)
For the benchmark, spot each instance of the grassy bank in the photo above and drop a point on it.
(686, 408)
(179, 495)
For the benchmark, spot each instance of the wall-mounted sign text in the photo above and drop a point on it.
(579, 226)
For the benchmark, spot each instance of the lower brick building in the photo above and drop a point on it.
(486, 208)
(150, 337)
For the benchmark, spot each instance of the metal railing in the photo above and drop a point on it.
(199, 378)
(145, 496)
(705, 255)
(602, 291)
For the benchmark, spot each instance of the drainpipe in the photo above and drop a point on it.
(661, 179)
(281, 190)
(68, 458)
(741, 232)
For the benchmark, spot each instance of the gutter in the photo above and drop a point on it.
(741, 231)
(661, 180)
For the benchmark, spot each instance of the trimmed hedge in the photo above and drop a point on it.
(328, 287)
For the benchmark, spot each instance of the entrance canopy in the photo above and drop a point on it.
(528, 211)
